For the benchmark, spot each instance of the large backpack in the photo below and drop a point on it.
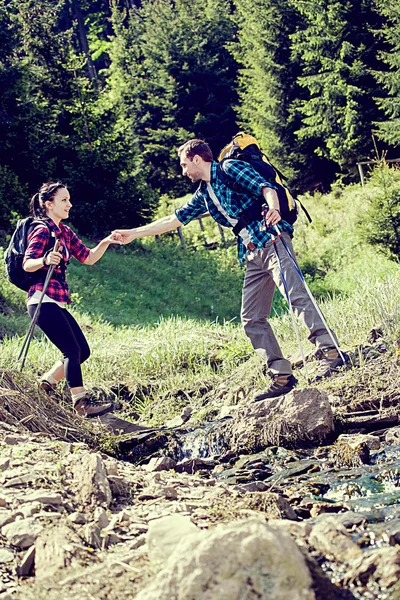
(14, 255)
(246, 148)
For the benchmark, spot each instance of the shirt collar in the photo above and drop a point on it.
(213, 172)
(58, 229)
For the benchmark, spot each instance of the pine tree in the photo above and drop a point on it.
(267, 77)
(389, 129)
(337, 48)
(172, 78)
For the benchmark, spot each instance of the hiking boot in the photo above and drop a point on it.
(87, 408)
(280, 385)
(47, 387)
(330, 362)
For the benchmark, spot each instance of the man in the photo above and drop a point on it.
(226, 205)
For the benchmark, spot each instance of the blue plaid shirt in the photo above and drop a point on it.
(233, 201)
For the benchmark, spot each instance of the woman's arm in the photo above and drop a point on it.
(96, 253)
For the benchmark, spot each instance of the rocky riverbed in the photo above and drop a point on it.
(298, 498)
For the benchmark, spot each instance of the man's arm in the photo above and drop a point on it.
(273, 216)
(162, 225)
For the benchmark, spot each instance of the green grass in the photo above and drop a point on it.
(163, 323)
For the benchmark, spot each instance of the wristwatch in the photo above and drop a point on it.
(44, 260)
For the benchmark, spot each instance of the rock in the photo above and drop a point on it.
(119, 486)
(92, 535)
(317, 508)
(191, 465)
(350, 518)
(57, 547)
(4, 464)
(165, 534)
(77, 518)
(14, 440)
(394, 534)
(186, 413)
(170, 493)
(91, 479)
(300, 416)
(393, 436)
(23, 533)
(6, 556)
(253, 486)
(355, 440)
(330, 537)
(30, 509)
(245, 559)
(353, 450)
(160, 463)
(274, 505)
(381, 565)
(175, 422)
(27, 562)
(44, 497)
(100, 517)
(7, 516)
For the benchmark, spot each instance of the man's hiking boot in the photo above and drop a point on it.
(87, 408)
(330, 362)
(280, 385)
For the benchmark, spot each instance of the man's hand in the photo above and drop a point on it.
(113, 238)
(273, 216)
(125, 236)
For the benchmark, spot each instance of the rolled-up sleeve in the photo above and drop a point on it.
(77, 248)
(247, 177)
(37, 243)
(193, 209)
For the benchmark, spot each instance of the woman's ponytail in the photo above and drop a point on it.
(36, 208)
(47, 191)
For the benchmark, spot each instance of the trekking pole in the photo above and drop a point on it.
(285, 285)
(25, 346)
(314, 302)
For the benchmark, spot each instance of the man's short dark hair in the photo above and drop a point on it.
(193, 147)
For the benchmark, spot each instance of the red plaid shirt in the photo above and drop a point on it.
(70, 245)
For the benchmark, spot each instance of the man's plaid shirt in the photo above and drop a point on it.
(232, 201)
(70, 245)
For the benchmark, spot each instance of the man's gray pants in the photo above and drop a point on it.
(262, 275)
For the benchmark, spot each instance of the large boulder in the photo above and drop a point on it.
(300, 417)
(240, 561)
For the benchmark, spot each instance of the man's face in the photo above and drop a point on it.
(191, 168)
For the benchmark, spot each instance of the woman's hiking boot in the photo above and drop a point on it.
(330, 362)
(280, 385)
(46, 386)
(86, 407)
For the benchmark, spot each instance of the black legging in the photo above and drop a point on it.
(64, 332)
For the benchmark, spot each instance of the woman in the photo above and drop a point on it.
(51, 205)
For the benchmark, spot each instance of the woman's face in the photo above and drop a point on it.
(58, 208)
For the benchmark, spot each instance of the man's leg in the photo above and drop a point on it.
(305, 309)
(257, 296)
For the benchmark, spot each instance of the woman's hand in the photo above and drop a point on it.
(52, 258)
(113, 238)
(124, 235)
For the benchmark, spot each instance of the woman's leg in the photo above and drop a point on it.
(64, 332)
(54, 322)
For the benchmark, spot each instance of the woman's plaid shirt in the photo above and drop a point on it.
(70, 245)
(232, 201)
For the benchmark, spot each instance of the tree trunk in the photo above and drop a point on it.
(83, 38)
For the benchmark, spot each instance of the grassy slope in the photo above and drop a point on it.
(165, 323)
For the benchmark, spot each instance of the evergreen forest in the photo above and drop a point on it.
(100, 93)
